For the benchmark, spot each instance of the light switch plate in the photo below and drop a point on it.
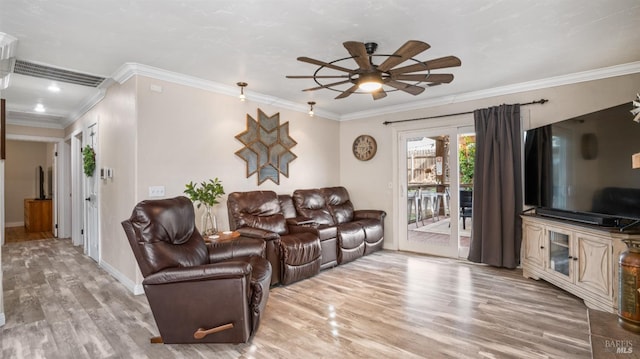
(156, 191)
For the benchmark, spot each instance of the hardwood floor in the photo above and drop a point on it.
(19, 234)
(60, 304)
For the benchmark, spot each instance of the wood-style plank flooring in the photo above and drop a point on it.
(61, 304)
(19, 234)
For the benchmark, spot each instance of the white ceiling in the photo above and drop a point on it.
(500, 43)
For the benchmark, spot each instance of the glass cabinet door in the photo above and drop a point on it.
(559, 257)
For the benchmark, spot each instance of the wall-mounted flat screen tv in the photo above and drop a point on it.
(584, 164)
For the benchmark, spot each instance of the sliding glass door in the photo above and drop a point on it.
(432, 163)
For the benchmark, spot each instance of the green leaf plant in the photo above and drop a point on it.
(89, 160)
(207, 192)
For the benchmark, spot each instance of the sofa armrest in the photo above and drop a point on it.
(307, 228)
(224, 270)
(369, 214)
(236, 248)
(300, 221)
(258, 233)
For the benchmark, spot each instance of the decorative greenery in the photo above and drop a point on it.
(89, 159)
(206, 193)
(467, 155)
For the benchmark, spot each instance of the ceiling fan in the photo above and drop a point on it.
(372, 78)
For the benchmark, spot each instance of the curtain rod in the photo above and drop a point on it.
(541, 102)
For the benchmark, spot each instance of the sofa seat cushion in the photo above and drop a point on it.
(300, 248)
(350, 235)
(373, 230)
(301, 256)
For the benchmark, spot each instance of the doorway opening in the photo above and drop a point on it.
(438, 178)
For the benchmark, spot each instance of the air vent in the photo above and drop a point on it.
(52, 73)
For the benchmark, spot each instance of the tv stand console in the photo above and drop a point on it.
(579, 258)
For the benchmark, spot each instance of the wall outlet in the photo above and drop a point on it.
(156, 191)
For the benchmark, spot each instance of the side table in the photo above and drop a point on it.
(223, 236)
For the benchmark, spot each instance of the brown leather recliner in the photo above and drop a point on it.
(198, 293)
(357, 232)
(257, 214)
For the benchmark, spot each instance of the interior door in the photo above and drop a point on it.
(54, 192)
(91, 232)
(428, 186)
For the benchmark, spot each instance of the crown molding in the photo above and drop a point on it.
(8, 45)
(126, 71)
(29, 119)
(130, 69)
(87, 104)
(591, 75)
(31, 138)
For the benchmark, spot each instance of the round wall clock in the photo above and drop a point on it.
(364, 147)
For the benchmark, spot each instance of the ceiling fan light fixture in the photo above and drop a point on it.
(370, 82)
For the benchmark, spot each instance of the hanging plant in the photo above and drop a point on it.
(89, 160)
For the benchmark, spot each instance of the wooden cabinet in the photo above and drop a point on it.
(580, 259)
(533, 247)
(37, 215)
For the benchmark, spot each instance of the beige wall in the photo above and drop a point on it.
(116, 149)
(23, 157)
(368, 182)
(187, 134)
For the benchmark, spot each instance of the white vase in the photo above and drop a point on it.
(209, 224)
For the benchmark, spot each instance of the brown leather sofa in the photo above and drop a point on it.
(258, 214)
(327, 214)
(356, 233)
(198, 293)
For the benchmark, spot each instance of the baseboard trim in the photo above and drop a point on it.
(2, 321)
(134, 288)
(14, 224)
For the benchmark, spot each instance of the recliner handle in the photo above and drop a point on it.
(201, 333)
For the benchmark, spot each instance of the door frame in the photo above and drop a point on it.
(459, 121)
(58, 209)
(91, 222)
(450, 250)
(77, 189)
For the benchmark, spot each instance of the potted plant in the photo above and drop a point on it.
(206, 193)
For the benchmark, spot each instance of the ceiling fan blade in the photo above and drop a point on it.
(410, 49)
(379, 94)
(317, 77)
(347, 92)
(325, 64)
(327, 85)
(359, 53)
(412, 89)
(439, 78)
(447, 61)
